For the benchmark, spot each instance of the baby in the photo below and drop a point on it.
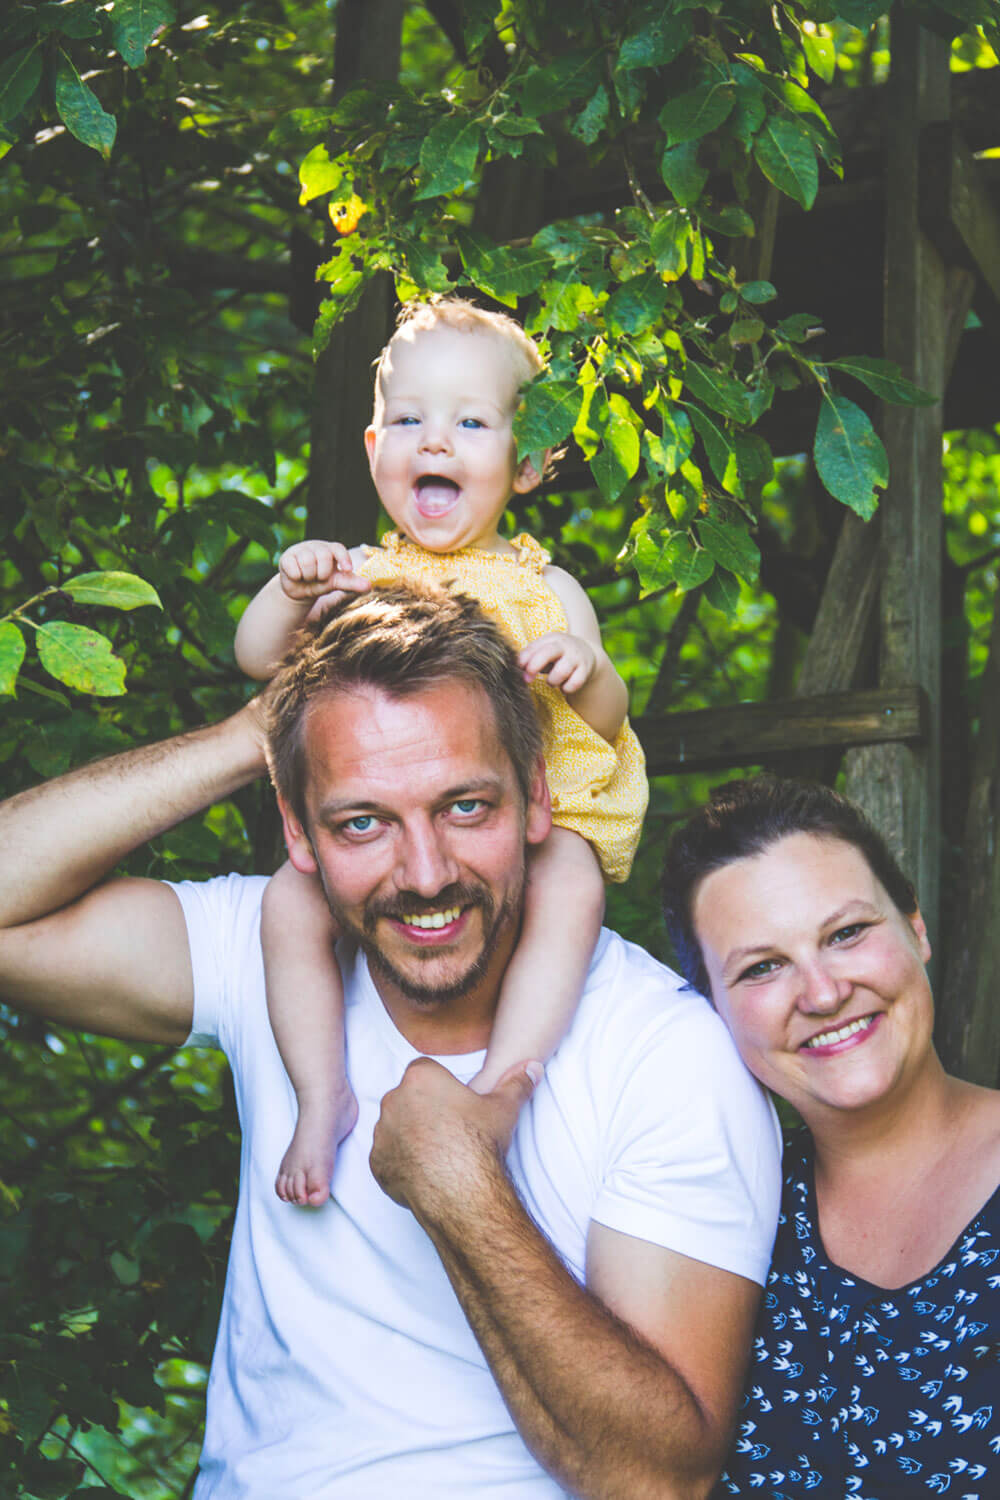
(444, 462)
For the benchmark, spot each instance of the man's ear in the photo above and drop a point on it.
(538, 815)
(370, 448)
(527, 477)
(300, 850)
(916, 921)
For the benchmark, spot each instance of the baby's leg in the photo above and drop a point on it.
(305, 1001)
(563, 911)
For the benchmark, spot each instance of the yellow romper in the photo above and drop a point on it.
(598, 790)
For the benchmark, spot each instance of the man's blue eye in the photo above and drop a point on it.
(467, 804)
(361, 824)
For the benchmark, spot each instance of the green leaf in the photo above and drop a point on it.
(448, 156)
(546, 415)
(618, 458)
(318, 174)
(425, 266)
(720, 450)
(732, 546)
(861, 13)
(574, 76)
(637, 304)
(81, 658)
(12, 650)
(690, 116)
(299, 126)
(670, 558)
(785, 153)
(682, 172)
(821, 54)
(884, 378)
(727, 218)
(657, 38)
(799, 327)
(564, 303)
(721, 392)
(592, 118)
(723, 592)
(502, 271)
(49, 1478)
(670, 242)
(19, 78)
(477, 21)
(850, 458)
(746, 331)
(757, 291)
(665, 454)
(80, 110)
(133, 25)
(114, 590)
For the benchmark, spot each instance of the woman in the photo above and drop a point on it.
(874, 1371)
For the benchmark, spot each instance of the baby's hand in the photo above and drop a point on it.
(568, 661)
(322, 571)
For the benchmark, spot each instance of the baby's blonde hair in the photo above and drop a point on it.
(465, 317)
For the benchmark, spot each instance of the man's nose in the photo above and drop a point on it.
(425, 865)
(823, 991)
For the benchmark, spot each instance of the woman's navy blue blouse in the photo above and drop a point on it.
(857, 1391)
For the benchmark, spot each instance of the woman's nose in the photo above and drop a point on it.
(823, 990)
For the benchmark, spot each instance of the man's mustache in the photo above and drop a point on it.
(409, 904)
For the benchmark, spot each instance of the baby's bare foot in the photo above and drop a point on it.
(307, 1166)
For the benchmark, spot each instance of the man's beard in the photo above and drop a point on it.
(495, 919)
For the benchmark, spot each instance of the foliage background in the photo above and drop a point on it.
(165, 194)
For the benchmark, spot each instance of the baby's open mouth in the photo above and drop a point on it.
(435, 495)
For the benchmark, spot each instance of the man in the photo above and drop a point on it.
(522, 1294)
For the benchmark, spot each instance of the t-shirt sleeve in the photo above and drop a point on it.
(694, 1146)
(223, 925)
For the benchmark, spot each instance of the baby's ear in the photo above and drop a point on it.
(530, 471)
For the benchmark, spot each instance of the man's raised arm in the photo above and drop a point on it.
(625, 1389)
(111, 957)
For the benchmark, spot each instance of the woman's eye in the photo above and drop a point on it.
(845, 934)
(762, 967)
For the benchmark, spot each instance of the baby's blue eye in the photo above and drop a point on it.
(406, 421)
(472, 422)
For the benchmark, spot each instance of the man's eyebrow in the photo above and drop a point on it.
(856, 906)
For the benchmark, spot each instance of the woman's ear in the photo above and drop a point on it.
(527, 476)
(916, 921)
(300, 850)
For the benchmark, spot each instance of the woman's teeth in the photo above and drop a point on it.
(434, 919)
(828, 1038)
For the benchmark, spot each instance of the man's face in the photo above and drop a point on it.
(418, 829)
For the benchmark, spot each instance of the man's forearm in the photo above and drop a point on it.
(600, 1408)
(60, 839)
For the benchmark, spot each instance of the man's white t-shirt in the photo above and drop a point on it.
(344, 1367)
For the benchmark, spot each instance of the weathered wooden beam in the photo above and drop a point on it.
(968, 1027)
(899, 785)
(747, 734)
(957, 211)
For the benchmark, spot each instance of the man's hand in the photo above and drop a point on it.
(322, 571)
(567, 661)
(435, 1138)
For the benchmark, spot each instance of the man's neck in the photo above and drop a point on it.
(452, 1026)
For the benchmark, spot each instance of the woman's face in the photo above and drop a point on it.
(818, 975)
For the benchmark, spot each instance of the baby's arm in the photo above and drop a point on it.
(311, 577)
(305, 1001)
(563, 910)
(576, 661)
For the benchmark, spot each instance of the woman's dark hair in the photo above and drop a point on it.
(744, 818)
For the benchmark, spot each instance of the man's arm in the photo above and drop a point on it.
(624, 1388)
(111, 958)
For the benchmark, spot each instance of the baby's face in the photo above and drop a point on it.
(441, 445)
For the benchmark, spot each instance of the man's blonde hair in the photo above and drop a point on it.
(464, 316)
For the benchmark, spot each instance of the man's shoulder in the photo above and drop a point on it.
(222, 904)
(629, 990)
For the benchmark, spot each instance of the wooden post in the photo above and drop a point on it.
(898, 785)
(343, 505)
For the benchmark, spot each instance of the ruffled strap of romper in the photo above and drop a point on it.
(531, 554)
